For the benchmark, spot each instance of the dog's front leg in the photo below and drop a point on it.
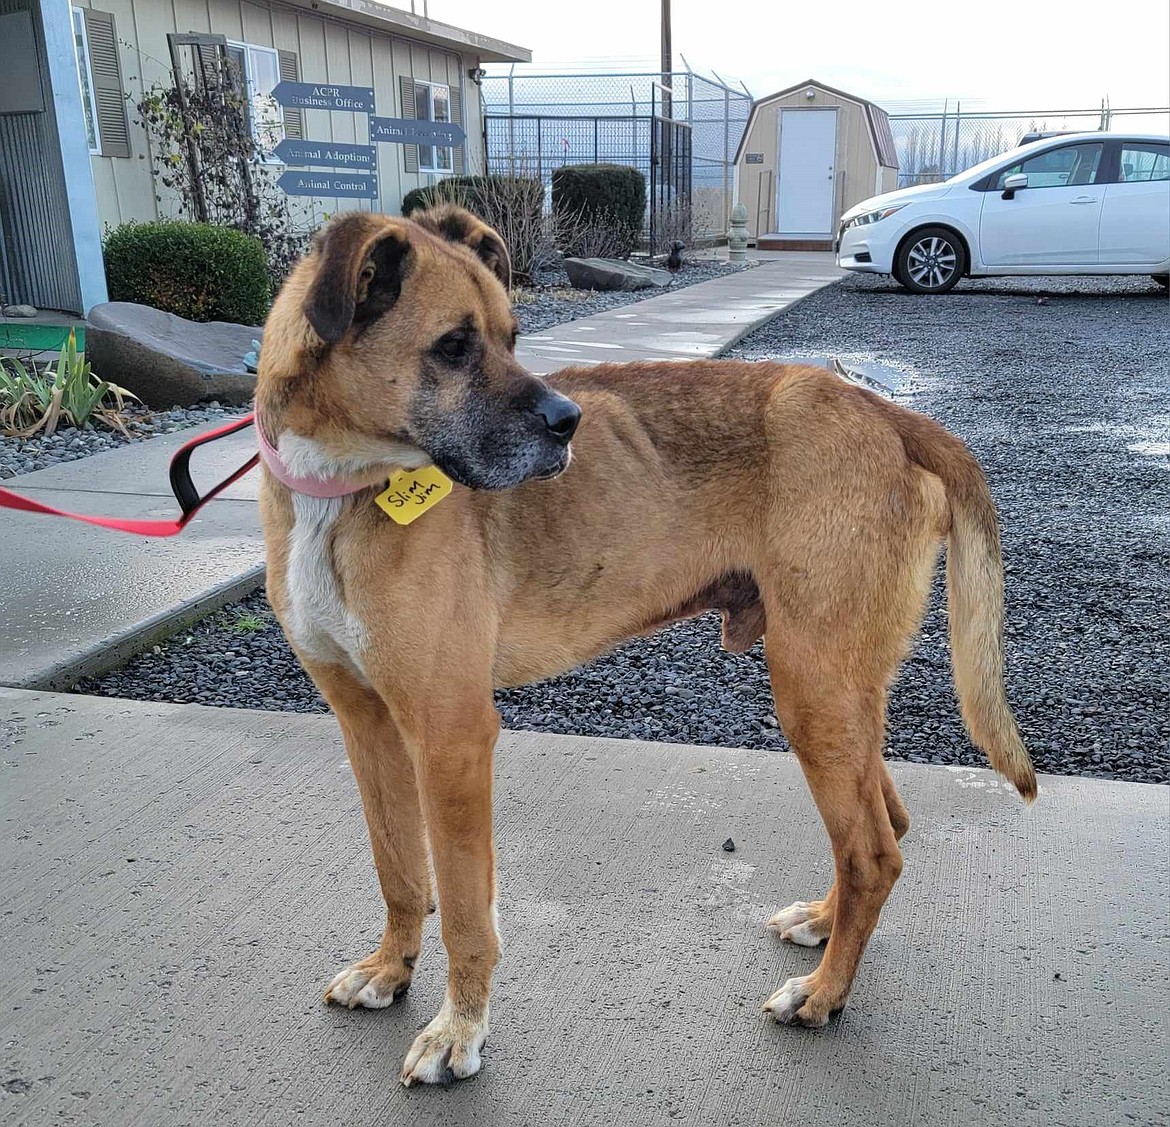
(453, 761)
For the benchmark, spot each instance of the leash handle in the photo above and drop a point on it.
(190, 502)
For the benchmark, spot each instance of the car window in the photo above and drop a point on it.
(1143, 161)
(1058, 168)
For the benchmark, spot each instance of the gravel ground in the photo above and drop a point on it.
(23, 455)
(1057, 386)
(554, 302)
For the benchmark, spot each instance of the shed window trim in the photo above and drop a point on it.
(434, 150)
(85, 81)
(260, 119)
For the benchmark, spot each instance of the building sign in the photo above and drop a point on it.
(753, 158)
(343, 185)
(323, 96)
(327, 154)
(408, 131)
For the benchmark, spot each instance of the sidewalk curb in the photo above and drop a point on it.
(749, 329)
(116, 650)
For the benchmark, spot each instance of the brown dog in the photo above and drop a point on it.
(807, 510)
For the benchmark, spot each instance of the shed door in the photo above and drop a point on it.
(804, 183)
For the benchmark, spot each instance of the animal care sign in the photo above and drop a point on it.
(322, 96)
(408, 131)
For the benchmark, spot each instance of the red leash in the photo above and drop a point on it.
(181, 485)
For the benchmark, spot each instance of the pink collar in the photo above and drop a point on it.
(310, 486)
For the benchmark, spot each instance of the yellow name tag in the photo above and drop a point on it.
(411, 492)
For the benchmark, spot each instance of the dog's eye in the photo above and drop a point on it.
(454, 346)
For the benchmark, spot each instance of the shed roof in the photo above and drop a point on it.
(876, 118)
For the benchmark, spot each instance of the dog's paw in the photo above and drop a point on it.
(373, 983)
(802, 923)
(795, 1003)
(447, 1050)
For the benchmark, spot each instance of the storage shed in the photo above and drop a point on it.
(809, 153)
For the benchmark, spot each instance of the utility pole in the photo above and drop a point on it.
(667, 57)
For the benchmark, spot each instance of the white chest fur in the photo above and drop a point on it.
(319, 623)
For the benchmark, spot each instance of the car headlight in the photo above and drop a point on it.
(867, 217)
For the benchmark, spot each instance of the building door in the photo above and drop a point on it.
(804, 184)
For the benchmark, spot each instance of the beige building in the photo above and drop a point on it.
(74, 159)
(809, 153)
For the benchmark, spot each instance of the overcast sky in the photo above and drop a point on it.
(1034, 54)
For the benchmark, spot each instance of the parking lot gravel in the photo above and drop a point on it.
(1062, 389)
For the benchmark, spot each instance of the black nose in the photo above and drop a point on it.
(560, 415)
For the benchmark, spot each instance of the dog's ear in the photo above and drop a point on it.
(361, 260)
(457, 225)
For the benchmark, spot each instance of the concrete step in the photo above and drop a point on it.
(181, 882)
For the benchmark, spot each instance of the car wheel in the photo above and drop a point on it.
(1162, 279)
(930, 261)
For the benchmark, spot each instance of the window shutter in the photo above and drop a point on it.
(409, 152)
(290, 71)
(108, 95)
(455, 100)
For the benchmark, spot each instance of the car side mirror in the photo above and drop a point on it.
(1013, 184)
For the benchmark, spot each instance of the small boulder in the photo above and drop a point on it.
(168, 361)
(18, 311)
(612, 274)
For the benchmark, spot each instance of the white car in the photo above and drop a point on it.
(1084, 203)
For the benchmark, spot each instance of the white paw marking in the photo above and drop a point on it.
(803, 935)
(791, 916)
(355, 986)
(788, 999)
(448, 1049)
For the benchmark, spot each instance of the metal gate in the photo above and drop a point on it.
(670, 184)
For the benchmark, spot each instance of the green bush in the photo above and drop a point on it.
(479, 194)
(194, 270)
(610, 193)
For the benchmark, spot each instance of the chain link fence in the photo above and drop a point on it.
(534, 123)
(936, 146)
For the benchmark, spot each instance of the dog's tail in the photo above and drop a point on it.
(974, 597)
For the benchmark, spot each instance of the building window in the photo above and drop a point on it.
(85, 80)
(432, 102)
(259, 67)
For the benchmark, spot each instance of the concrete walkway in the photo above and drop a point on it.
(179, 883)
(79, 600)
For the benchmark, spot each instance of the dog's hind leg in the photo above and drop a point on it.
(809, 922)
(386, 782)
(834, 718)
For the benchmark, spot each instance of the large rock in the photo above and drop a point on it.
(612, 274)
(167, 361)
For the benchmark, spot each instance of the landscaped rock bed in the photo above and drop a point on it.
(1057, 386)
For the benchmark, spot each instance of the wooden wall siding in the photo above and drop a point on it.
(857, 172)
(327, 50)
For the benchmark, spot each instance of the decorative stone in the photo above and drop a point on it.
(18, 311)
(737, 236)
(612, 274)
(168, 361)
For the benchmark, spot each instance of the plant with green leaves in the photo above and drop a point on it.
(38, 400)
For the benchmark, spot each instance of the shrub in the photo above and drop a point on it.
(512, 205)
(194, 270)
(36, 399)
(610, 193)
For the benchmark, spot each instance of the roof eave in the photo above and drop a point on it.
(372, 14)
